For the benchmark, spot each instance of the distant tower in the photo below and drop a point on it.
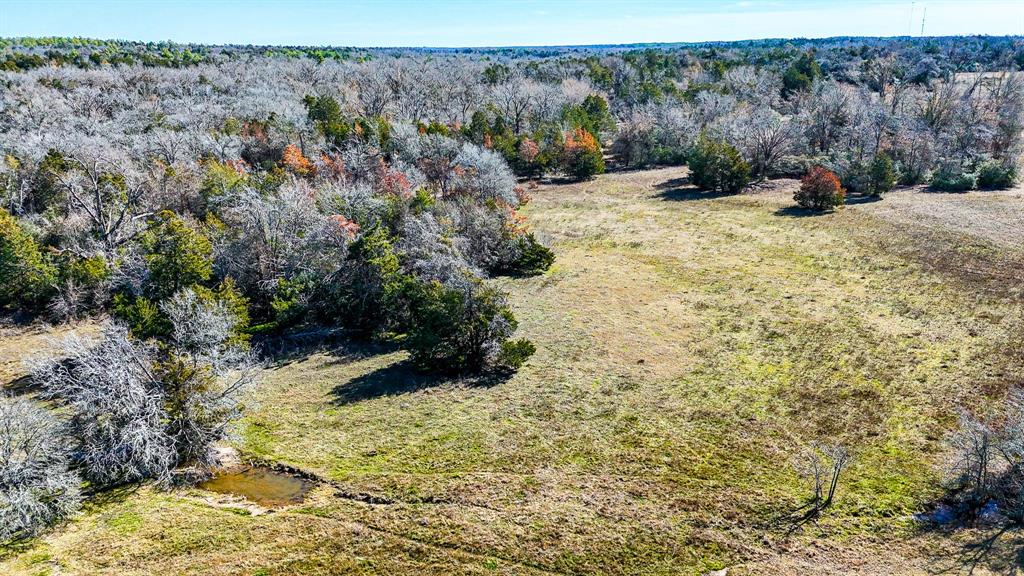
(910, 23)
(923, 16)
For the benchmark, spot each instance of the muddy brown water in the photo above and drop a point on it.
(261, 485)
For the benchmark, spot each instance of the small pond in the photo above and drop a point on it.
(261, 485)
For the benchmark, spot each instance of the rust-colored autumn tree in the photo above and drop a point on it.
(293, 160)
(820, 190)
(581, 156)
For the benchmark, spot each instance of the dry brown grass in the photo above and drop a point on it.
(687, 347)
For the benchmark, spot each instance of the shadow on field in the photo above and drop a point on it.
(280, 351)
(673, 183)
(798, 212)
(999, 551)
(688, 194)
(402, 378)
(862, 199)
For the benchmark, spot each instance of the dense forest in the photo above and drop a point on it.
(207, 201)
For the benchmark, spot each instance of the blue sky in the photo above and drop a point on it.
(498, 22)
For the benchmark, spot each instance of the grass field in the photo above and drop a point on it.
(688, 347)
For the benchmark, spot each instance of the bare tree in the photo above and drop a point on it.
(36, 486)
(117, 406)
(109, 194)
(513, 99)
(766, 137)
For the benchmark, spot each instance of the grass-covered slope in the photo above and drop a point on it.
(688, 346)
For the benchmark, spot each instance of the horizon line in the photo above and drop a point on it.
(519, 46)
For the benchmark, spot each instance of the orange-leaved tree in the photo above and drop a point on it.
(581, 156)
(820, 190)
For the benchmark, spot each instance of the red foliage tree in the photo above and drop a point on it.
(820, 190)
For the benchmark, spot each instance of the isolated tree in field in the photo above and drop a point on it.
(821, 465)
(718, 167)
(820, 190)
(36, 486)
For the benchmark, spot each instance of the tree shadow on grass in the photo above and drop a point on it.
(995, 543)
(690, 194)
(402, 378)
(862, 199)
(798, 212)
(94, 499)
(998, 551)
(673, 183)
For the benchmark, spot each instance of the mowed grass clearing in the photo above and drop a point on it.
(688, 347)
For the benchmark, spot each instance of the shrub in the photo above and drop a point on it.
(141, 316)
(26, 277)
(995, 175)
(461, 328)
(534, 257)
(855, 176)
(581, 157)
(795, 166)
(820, 190)
(514, 353)
(952, 180)
(883, 174)
(36, 487)
(484, 234)
(718, 167)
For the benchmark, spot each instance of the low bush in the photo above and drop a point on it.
(820, 190)
(513, 353)
(949, 180)
(718, 167)
(795, 166)
(995, 175)
(533, 257)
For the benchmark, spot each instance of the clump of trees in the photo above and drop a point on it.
(820, 190)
